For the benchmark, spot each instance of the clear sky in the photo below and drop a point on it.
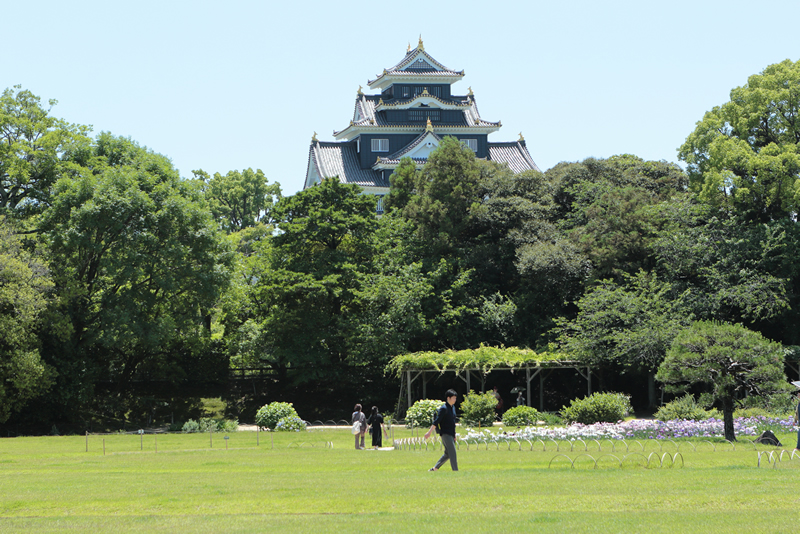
(228, 85)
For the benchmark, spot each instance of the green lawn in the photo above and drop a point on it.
(303, 484)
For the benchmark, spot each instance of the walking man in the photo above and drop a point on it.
(445, 425)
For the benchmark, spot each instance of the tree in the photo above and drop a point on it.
(730, 360)
(604, 208)
(240, 200)
(403, 181)
(139, 265)
(299, 285)
(447, 188)
(743, 156)
(35, 150)
(25, 287)
(734, 271)
(630, 324)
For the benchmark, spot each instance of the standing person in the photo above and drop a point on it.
(520, 399)
(375, 422)
(797, 418)
(445, 424)
(499, 406)
(359, 416)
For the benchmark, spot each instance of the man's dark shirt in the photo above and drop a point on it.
(445, 419)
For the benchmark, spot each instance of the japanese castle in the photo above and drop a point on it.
(413, 111)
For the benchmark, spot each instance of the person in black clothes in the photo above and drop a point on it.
(376, 427)
(445, 424)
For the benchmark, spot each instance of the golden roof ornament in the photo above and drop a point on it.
(420, 46)
(520, 137)
(380, 101)
(378, 160)
(429, 126)
(409, 47)
(470, 92)
(425, 91)
(314, 138)
(360, 92)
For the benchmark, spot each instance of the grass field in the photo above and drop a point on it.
(316, 482)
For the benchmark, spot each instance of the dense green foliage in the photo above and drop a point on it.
(270, 414)
(483, 358)
(521, 416)
(743, 156)
(156, 283)
(598, 408)
(685, 407)
(422, 412)
(25, 286)
(730, 360)
(478, 409)
(209, 424)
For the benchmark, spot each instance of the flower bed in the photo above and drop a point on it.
(637, 429)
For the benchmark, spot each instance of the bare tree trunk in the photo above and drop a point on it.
(727, 418)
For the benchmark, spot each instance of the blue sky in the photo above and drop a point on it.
(229, 85)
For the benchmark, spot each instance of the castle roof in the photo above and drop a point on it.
(327, 159)
(514, 154)
(416, 65)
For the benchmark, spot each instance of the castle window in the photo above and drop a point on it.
(471, 144)
(416, 115)
(380, 145)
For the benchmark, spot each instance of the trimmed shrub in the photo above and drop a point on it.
(685, 407)
(190, 426)
(269, 414)
(521, 416)
(477, 409)
(290, 424)
(778, 404)
(227, 425)
(422, 412)
(598, 408)
(207, 423)
(550, 418)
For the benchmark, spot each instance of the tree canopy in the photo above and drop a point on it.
(25, 291)
(743, 155)
(729, 360)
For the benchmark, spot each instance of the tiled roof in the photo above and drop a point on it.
(411, 146)
(365, 106)
(397, 70)
(365, 109)
(515, 154)
(411, 54)
(341, 159)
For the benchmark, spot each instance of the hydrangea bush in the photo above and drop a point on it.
(269, 414)
(422, 412)
(206, 424)
(290, 424)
